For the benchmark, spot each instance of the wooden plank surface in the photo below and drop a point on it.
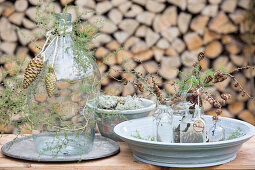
(124, 160)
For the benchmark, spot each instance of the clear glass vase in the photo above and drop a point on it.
(178, 114)
(216, 133)
(192, 126)
(63, 123)
(177, 117)
(163, 124)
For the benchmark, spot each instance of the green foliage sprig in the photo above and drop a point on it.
(12, 97)
(138, 136)
(236, 134)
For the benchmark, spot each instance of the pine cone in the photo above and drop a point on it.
(222, 78)
(218, 73)
(157, 90)
(195, 64)
(209, 99)
(236, 84)
(222, 102)
(201, 56)
(243, 94)
(217, 104)
(192, 99)
(50, 81)
(218, 111)
(208, 79)
(33, 69)
(140, 87)
(219, 76)
(200, 68)
(225, 96)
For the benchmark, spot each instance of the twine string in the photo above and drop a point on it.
(55, 51)
(48, 34)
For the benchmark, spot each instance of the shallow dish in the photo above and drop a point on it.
(23, 148)
(182, 154)
(108, 119)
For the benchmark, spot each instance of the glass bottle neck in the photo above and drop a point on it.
(218, 122)
(63, 23)
(161, 110)
(164, 108)
(194, 113)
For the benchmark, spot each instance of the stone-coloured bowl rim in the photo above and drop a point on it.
(118, 131)
(151, 106)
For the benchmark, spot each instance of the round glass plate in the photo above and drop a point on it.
(23, 148)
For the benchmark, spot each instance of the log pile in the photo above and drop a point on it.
(159, 37)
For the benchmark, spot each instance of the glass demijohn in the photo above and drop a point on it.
(64, 124)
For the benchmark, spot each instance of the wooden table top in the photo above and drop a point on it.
(123, 160)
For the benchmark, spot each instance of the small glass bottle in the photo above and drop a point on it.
(216, 132)
(164, 118)
(178, 115)
(192, 127)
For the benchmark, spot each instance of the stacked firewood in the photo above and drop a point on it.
(158, 37)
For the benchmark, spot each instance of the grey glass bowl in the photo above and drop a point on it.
(108, 119)
(182, 154)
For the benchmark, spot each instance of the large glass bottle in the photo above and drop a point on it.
(64, 124)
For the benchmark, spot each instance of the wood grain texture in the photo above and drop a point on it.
(124, 160)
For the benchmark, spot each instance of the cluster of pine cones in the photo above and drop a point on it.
(218, 103)
(140, 86)
(32, 71)
(219, 76)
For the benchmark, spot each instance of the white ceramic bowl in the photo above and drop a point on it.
(182, 154)
(108, 119)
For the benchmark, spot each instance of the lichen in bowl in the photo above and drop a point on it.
(111, 110)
